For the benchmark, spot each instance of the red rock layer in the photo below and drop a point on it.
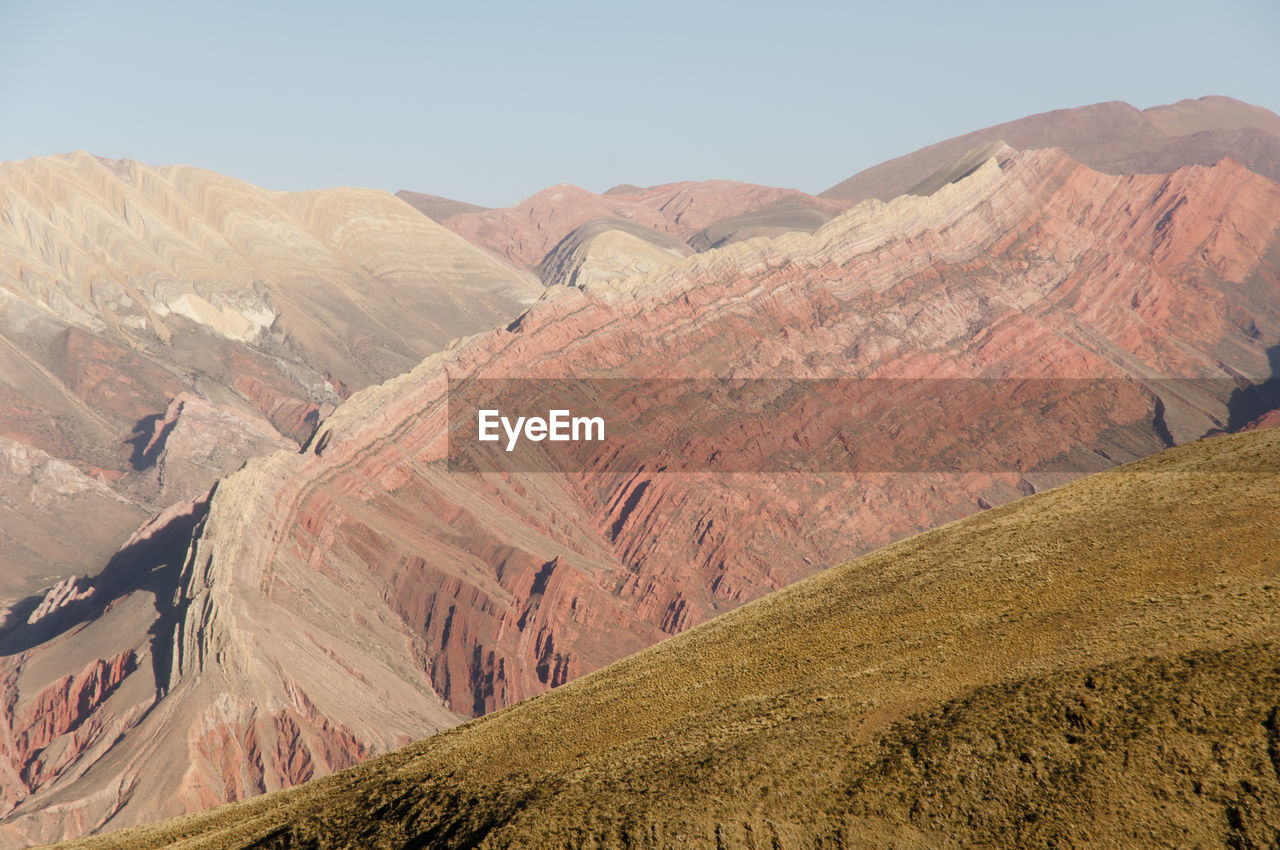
(63, 707)
(367, 594)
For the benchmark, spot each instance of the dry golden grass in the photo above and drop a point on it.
(1098, 665)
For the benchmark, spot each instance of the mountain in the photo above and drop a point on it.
(125, 287)
(1097, 665)
(527, 233)
(1113, 137)
(325, 605)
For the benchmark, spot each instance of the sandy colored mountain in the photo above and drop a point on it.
(1097, 665)
(607, 249)
(124, 287)
(329, 604)
(345, 278)
(1112, 137)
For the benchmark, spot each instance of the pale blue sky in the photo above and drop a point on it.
(489, 102)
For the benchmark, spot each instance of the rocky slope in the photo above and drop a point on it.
(124, 287)
(1098, 666)
(1112, 137)
(328, 604)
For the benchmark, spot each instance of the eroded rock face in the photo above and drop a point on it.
(104, 246)
(330, 603)
(785, 216)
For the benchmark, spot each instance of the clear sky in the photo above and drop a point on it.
(489, 102)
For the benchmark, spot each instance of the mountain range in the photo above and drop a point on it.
(245, 394)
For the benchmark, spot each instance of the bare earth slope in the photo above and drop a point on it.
(1113, 137)
(123, 286)
(329, 604)
(1097, 665)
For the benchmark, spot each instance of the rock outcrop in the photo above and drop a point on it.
(773, 220)
(194, 444)
(41, 497)
(329, 603)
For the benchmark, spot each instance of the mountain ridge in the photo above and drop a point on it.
(1112, 137)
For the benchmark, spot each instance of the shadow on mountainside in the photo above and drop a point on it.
(1253, 402)
(146, 444)
(152, 564)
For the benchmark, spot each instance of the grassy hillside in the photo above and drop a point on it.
(1098, 665)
